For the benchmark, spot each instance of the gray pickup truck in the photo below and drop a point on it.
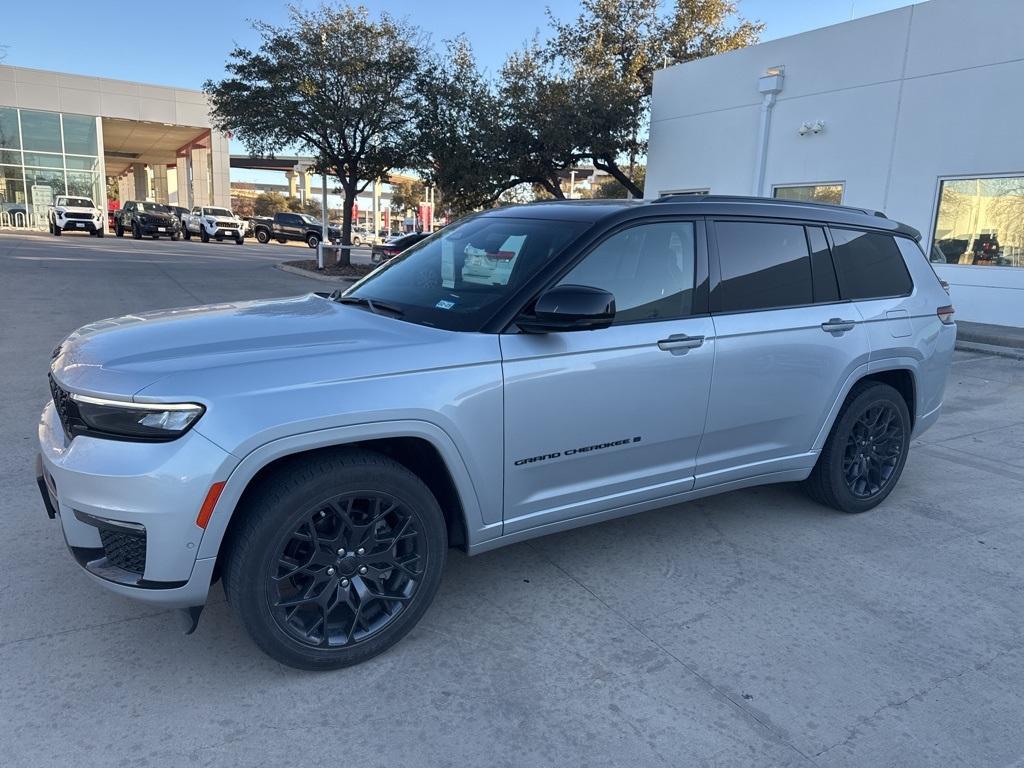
(526, 370)
(301, 227)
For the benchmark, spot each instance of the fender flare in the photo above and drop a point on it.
(246, 469)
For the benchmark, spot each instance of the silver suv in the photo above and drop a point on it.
(524, 371)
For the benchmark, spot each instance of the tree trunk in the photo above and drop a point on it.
(345, 257)
(613, 169)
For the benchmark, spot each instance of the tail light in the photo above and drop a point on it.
(945, 314)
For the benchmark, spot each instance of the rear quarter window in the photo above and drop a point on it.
(869, 265)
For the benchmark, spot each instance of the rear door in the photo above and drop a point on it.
(596, 420)
(787, 343)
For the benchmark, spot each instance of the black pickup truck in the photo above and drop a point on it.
(293, 226)
(146, 219)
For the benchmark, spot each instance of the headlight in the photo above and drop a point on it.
(133, 421)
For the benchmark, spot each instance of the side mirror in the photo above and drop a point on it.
(570, 308)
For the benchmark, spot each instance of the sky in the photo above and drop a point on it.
(185, 42)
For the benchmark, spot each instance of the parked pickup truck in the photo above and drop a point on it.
(213, 223)
(293, 226)
(75, 214)
(143, 218)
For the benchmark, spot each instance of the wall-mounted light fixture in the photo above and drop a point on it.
(816, 127)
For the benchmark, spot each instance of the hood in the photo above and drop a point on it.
(76, 209)
(157, 215)
(237, 344)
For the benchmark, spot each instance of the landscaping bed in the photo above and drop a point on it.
(354, 271)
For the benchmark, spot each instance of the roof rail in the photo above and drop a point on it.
(675, 196)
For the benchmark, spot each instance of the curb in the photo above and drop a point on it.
(314, 275)
(990, 349)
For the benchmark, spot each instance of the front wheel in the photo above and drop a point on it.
(100, 233)
(262, 236)
(865, 452)
(335, 559)
(185, 233)
(136, 232)
(203, 234)
(118, 230)
(57, 231)
(239, 240)
(312, 241)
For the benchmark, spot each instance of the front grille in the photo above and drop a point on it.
(125, 549)
(70, 215)
(226, 225)
(63, 403)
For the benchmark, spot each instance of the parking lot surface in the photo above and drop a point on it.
(750, 629)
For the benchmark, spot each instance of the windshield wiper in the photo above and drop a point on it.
(374, 305)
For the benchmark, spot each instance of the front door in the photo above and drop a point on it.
(597, 420)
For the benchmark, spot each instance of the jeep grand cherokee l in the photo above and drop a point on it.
(525, 371)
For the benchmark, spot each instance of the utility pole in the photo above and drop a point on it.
(325, 233)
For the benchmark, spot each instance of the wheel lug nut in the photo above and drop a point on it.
(360, 551)
(341, 553)
(362, 569)
(330, 571)
(344, 582)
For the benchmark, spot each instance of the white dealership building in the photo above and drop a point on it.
(917, 112)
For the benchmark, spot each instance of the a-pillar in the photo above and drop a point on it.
(142, 186)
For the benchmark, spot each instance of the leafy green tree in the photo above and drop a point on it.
(613, 189)
(611, 52)
(269, 203)
(334, 83)
(406, 194)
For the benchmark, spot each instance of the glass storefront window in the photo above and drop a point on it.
(9, 128)
(38, 181)
(83, 184)
(12, 187)
(10, 157)
(980, 222)
(80, 135)
(43, 160)
(40, 131)
(811, 193)
(79, 163)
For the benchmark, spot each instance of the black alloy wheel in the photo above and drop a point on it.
(262, 236)
(873, 450)
(865, 452)
(347, 570)
(335, 557)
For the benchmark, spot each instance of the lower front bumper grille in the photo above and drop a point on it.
(125, 549)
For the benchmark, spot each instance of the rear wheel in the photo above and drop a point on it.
(336, 558)
(865, 452)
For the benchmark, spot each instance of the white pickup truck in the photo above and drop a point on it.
(213, 223)
(75, 214)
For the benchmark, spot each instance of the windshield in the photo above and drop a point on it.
(154, 207)
(75, 202)
(458, 277)
(217, 212)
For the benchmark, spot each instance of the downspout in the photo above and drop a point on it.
(770, 85)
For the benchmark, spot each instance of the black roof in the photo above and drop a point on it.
(706, 205)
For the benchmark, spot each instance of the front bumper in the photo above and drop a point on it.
(221, 232)
(154, 228)
(107, 493)
(77, 225)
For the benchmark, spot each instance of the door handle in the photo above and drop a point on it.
(680, 341)
(835, 325)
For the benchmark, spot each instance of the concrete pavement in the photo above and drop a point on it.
(751, 629)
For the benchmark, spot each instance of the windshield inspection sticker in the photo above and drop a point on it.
(445, 304)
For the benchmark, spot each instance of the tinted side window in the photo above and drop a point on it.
(823, 274)
(763, 266)
(869, 265)
(649, 269)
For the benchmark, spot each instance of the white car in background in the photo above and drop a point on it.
(213, 224)
(75, 214)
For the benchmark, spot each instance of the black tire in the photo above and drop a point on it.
(262, 236)
(100, 233)
(203, 234)
(282, 240)
(858, 469)
(312, 240)
(185, 233)
(57, 231)
(136, 232)
(356, 242)
(175, 236)
(292, 510)
(118, 230)
(239, 240)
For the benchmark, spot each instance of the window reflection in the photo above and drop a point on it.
(79, 135)
(980, 222)
(40, 131)
(812, 193)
